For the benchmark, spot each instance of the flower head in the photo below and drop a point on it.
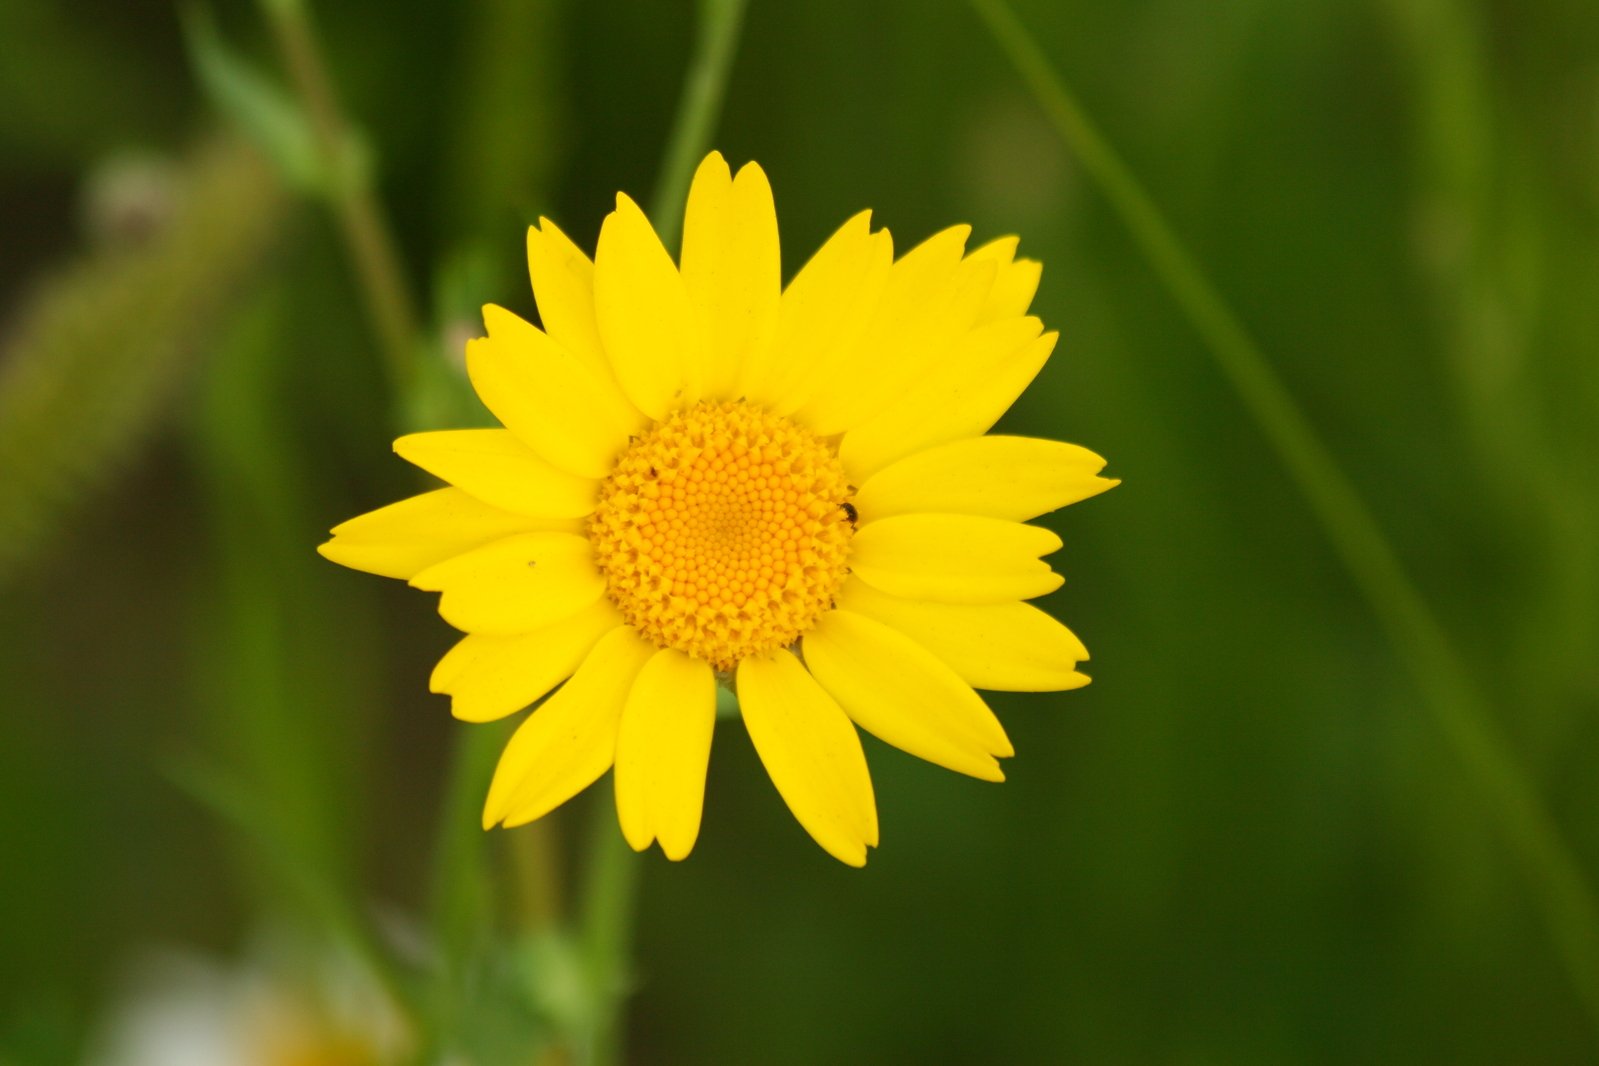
(705, 476)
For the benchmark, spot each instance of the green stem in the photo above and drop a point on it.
(611, 888)
(696, 112)
(1457, 704)
(535, 860)
(462, 900)
(610, 892)
(368, 240)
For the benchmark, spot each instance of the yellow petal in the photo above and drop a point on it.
(812, 753)
(731, 268)
(563, 285)
(1001, 251)
(644, 314)
(899, 692)
(496, 467)
(662, 750)
(821, 315)
(1009, 647)
(515, 584)
(1002, 477)
(1015, 281)
(569, 741)
(931, 299)
(489, 677)
(405, 538)
(955, 558)
(550, 399)
(961, 397)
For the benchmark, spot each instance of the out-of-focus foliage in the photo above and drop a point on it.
(88, 359)
(1242, 844)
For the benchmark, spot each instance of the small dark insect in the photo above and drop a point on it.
(652, 472)
(849, 512)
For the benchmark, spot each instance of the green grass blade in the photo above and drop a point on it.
(696, 113)
(1455, 700)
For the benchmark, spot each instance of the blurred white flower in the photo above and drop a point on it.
(281, 1006)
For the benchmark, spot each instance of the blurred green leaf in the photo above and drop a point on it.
(263, 111)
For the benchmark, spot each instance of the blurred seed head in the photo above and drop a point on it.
(129, 198)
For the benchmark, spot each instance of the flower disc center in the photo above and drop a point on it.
(724, 531)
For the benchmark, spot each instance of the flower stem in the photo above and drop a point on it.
(611, 888)
(368, 240)
(606, 931)
(1457, 703)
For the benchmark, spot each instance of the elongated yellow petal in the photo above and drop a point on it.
(951, 558)
(489, 677)
(1015, 281)
(899, 692)
(496, 467)
(961, 397)
(732, 268)
(569, 741)
(662, 750)
(821, 315)
(563, 285)
(1002, 477)
(812, 753)
(1007, 647)
(405, 538)
(644, 315)
(515, 584)
(931, 299)
(549, 398)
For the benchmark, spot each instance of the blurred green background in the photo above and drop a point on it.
(1246, 842)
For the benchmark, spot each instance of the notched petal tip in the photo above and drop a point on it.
(626, 205)
(1000, 249)
(1049, 541)
(860, 220)
(459, 711)
(637, 840)
(406, 447)
(752, 172)
(855, 858)
(712, 167)
(1100, 486)
(991, 771)
(675, 852)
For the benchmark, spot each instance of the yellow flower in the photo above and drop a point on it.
(706, 476)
